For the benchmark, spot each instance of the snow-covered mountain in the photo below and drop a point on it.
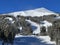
(35, 12)
(43, 40)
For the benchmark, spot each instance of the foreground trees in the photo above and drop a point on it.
(8, 31)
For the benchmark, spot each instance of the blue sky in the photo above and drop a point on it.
(18, 5)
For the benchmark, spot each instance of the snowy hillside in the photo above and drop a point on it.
(33, 39)
(35, 12)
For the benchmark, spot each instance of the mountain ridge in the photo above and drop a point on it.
(35, 12)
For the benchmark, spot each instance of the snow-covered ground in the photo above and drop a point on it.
(46, 24)
(43, 39)
(36, 31)
(10, 19)
(46, 39)
(32, 40)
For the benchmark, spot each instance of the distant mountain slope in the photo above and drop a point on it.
(35, 12)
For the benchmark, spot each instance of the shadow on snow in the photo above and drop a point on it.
(28, 41)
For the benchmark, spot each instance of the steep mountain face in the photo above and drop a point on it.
(35, 12)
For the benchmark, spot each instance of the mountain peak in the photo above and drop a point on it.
(42, 9)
